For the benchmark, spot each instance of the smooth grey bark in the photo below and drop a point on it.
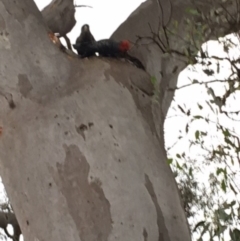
(165, 67)
(59, 16)
(81, 156)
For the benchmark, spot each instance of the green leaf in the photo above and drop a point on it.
(233, 189)
(227, 140)
(195, 81)
(184, 166)
(197, 135)
(197, 117)
(203, 133)
(226, 132)
(223, 186)
(222, 215)
(225, 173)
(200, 107)
(192, 11)
(169, 161)
(182, 110)
(219, 170)
(229, 205)
(232, 203)
(178, 166)
(190, 171)
(153, 80)
(234, 234)
(175, 23)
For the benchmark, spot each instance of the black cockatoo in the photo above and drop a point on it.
(111, 48)
(84, 43)
(106, 48)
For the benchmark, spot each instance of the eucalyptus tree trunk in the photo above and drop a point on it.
(82, 152)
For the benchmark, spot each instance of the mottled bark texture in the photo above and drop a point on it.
(81, 156)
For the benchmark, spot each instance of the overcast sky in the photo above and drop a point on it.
(104, 16)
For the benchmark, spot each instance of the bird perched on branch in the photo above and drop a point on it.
(84, 42)
(111, 48)
(59, 17)
(86, 46)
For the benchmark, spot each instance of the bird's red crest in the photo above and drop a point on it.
(124, 46)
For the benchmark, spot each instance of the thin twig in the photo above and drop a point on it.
(230, 15)
(82, 6)
(200, 83)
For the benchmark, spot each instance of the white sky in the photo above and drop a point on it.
(104, 16)
(190, 97)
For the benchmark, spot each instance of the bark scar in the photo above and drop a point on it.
(9, 98)
(162, 230)
(86, 202)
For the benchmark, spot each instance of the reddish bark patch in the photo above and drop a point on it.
(86, 201)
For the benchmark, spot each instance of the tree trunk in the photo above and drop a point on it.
(80, 155)
(152, 15)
